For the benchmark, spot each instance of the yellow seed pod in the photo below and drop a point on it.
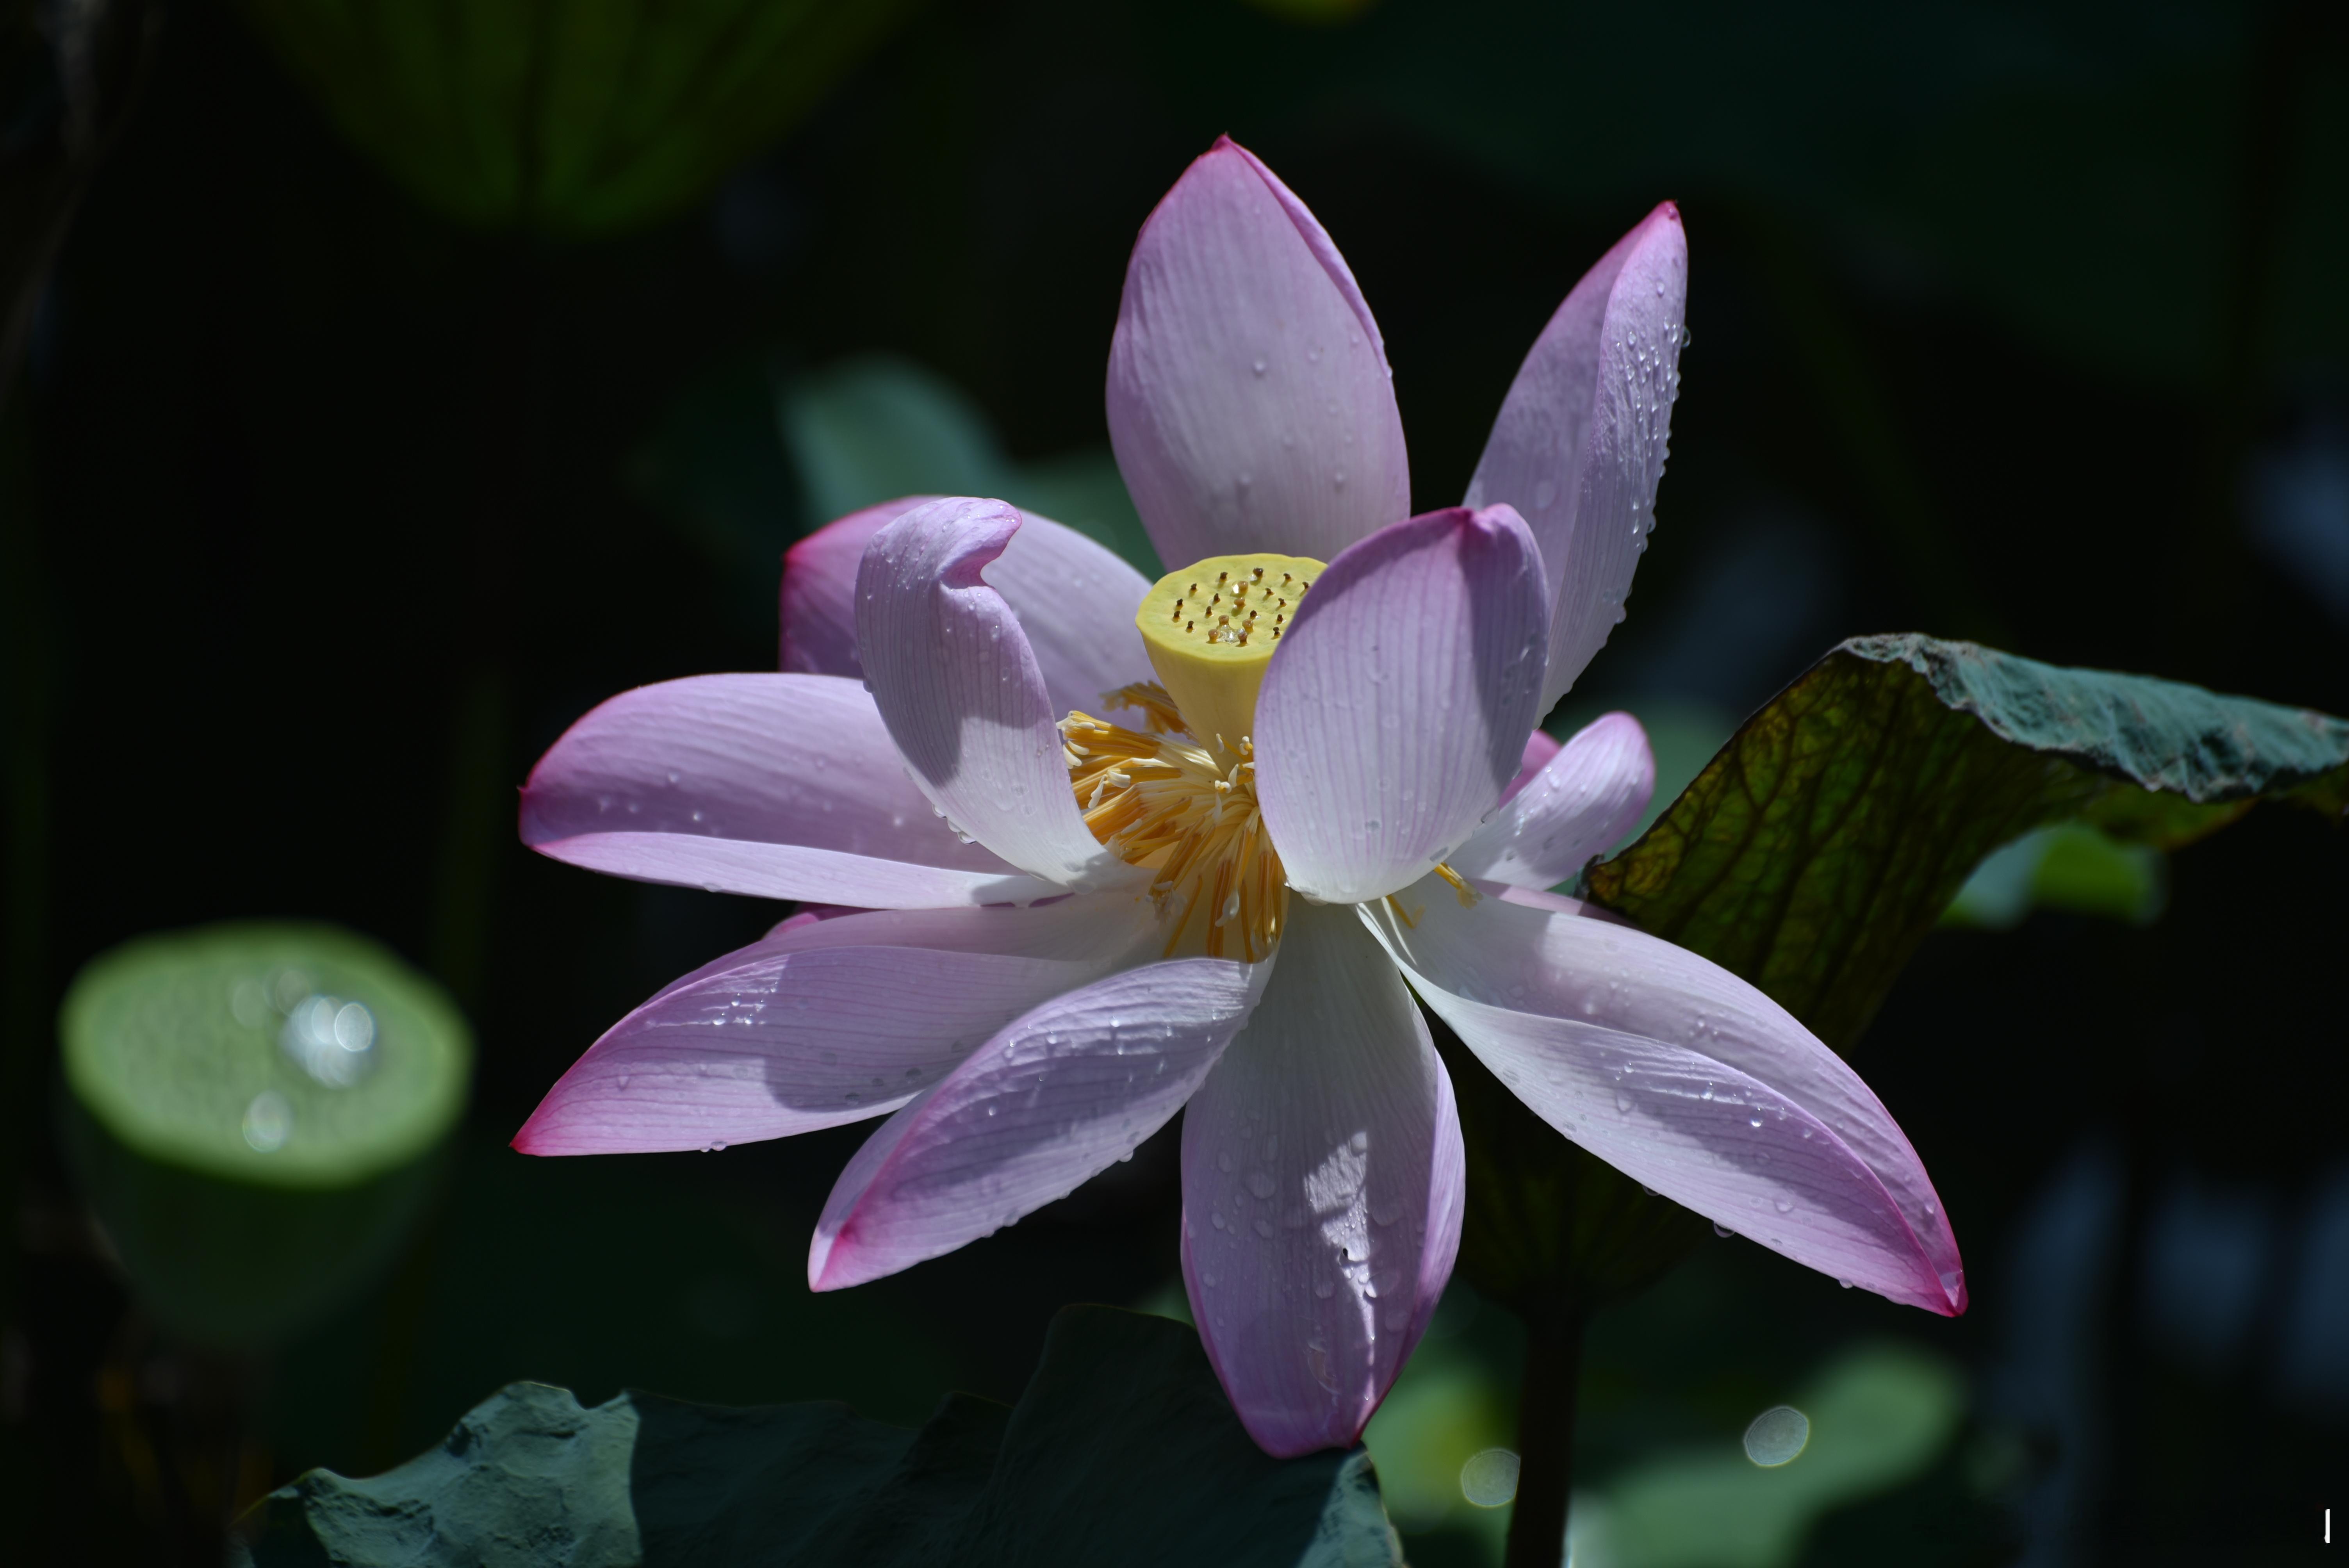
(1211, 628)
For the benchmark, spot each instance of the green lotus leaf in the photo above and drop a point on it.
(1123, 1449)
(255, 1112)
(571, 117)
(1817, 849)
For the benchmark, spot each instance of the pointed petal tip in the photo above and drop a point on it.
(533, 1137)
(1273, 1425)
(830, 1264)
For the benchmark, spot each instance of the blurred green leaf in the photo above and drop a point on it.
(255, 1112)
(873, 428)
(1823, 841)
(1444, 1409)
(748, 460)
(1879, 1416)
(571, 117)
(228, 1050)
(1123, 1449)
(2070, 866)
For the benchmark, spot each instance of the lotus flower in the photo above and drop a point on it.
(1327, 794)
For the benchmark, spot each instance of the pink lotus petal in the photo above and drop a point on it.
(1058, 1096)
(1250, 400)
(1580, 444)
(824, 1023)
(780, 786)
(1539, 748)
(819, 593)
(1074, 598)
(1583, 801)
(1685, 1077)
(958, 685)
(1322, 1190)
(1395, 709)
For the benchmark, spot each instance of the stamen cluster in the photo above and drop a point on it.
(1161, 801)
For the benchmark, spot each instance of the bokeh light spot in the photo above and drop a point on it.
(1777, 1436)
(268, 1122)
(1489, 1480)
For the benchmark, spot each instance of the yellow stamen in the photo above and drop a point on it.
(1459, 888)
(1167, 803)
(1158, 709)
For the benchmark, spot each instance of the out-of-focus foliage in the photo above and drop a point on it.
(255, 1111)
(570, 118)
(281, 1056)
(1879, 1416)
(749, 458)
(1123, 1449)
(872, 429)
(1443, 1410)
(2069, 866)
(1822, 844)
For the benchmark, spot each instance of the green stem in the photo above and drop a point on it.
(1545, 1400)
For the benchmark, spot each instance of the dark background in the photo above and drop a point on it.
(2022, 324)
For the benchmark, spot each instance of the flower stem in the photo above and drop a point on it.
(1546, 1402)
